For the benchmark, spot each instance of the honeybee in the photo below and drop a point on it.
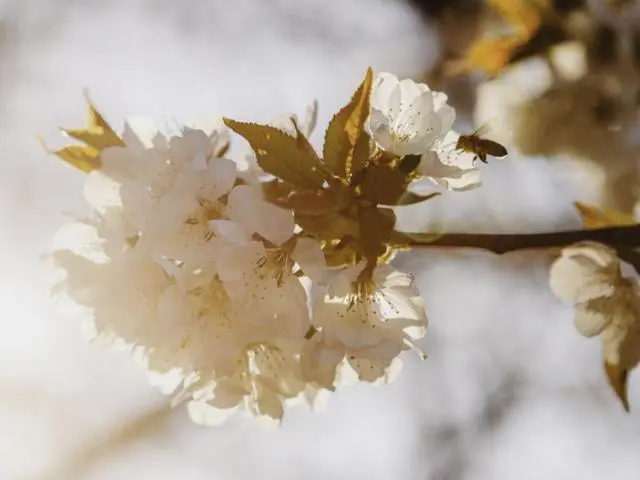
(480, 147)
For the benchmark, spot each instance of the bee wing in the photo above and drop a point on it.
(496, 129)
(487, 127)
(494, 148)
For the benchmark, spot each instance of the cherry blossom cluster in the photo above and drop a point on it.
(227, 305)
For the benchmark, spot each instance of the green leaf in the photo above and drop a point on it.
(383, 184)
(330, 226)
(276, 191)
(346, 144)
(376, 226)
(316, 203)
(618, 378)
(288, 158)
(82, 157)
(97, 136)
(594, 217)
(409, 163)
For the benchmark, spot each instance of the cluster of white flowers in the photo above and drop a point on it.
(407, 118)
(588, 275)
(185, 263)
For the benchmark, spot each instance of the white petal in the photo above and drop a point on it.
(386, 141)
(445, 112)
(387, 276)
(590, 322)
(102, 192)
(382, 88)
(377, 121)
(600, 255)
(369, 370)
(219, 179)
(284, 122)
(237, 262)
(341, 284)
(247, 207)
(319, 360)
(411, 90)
(584, 271)
(265, 402)
(120, 163)
(418, 124)
(81, 239)
(202, 413)
(139, 132)
(309, 256)
(451, 169)
(190, 148)
(230, 231)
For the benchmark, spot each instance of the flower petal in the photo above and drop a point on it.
(590, 321)
(383, 87)
(247, 207)
(309, 256)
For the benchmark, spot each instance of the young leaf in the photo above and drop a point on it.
(82, 157)
(97, 137)
(383, 184)
(341, 255)
(409, 163)
(98, 134)
(331, 226)
(593, 217)
(313, 203)
(376, 226)
(491, 55)
(288, 158)
(618, 379)
(346, 144)
(523, 15)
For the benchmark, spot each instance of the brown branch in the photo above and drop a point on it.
(617, 237)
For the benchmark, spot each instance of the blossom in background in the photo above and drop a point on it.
(407, 118)
(588, 275)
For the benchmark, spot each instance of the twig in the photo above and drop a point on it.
(625, 238)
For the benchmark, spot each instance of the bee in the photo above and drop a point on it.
(480, 147)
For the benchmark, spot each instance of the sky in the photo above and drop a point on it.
(509, 389)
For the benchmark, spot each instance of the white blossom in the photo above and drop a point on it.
(588, 275)
(448, 166)
(407, 117)
(365, 323)
(195, 273)
(216, 292)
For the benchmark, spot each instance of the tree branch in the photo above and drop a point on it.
(625, 238)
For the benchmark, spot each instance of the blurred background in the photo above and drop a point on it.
(509, 390)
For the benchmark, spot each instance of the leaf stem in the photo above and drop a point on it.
(625, 237)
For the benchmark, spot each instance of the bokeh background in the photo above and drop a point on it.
(509, 391)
